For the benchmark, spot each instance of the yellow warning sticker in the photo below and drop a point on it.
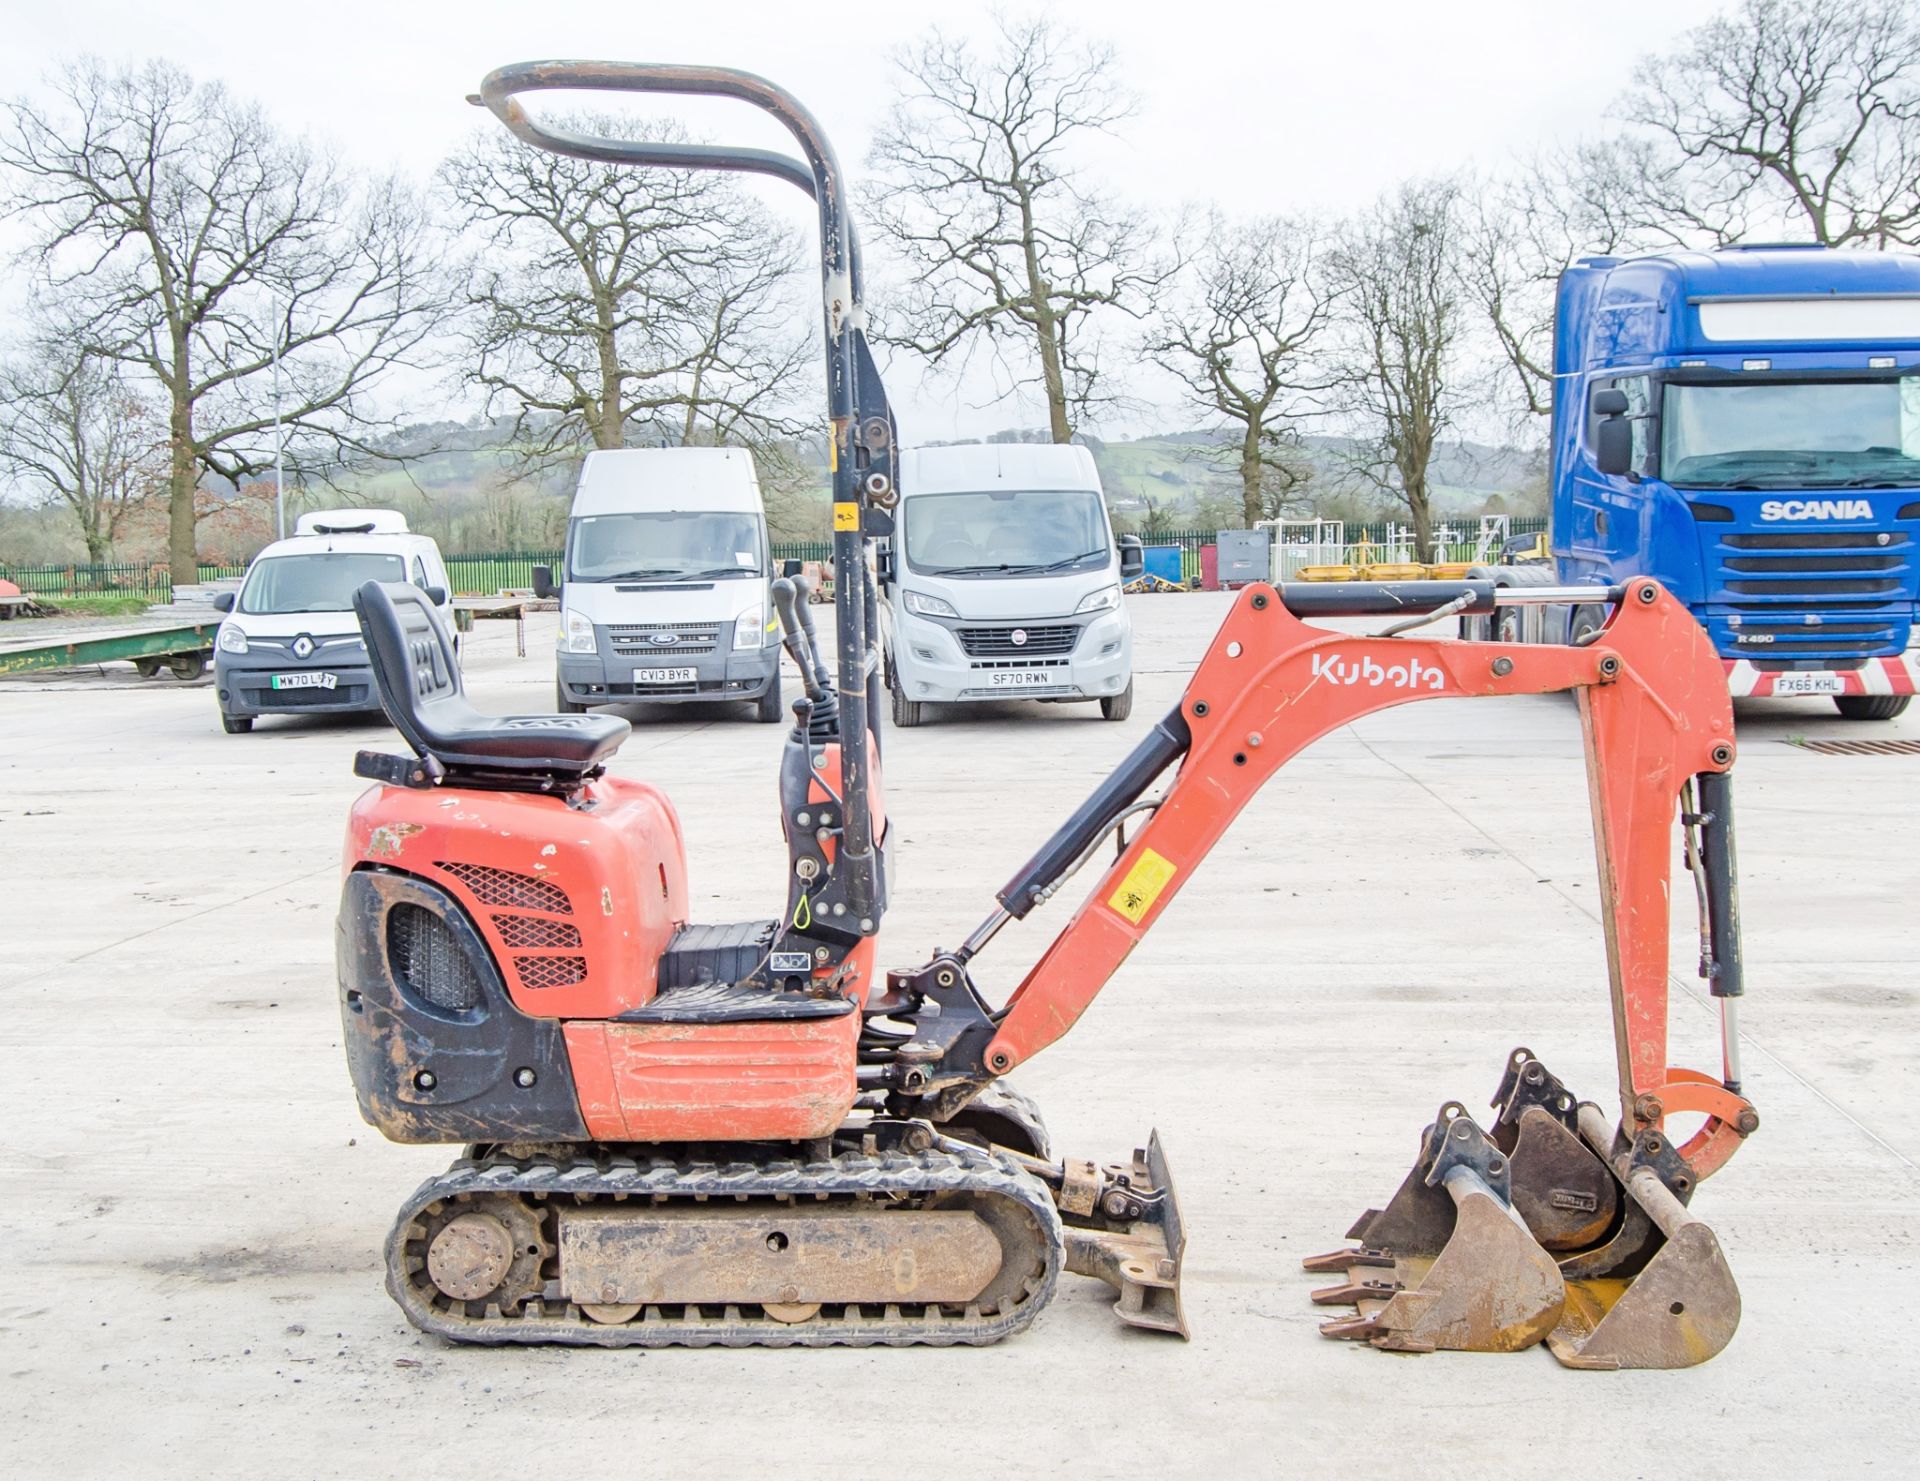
(1144, 884)
(846, 517)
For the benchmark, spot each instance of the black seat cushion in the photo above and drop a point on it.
(418, 677)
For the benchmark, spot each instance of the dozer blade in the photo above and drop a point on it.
(1123, 1227)
(1447, 1263)
(1658, 1294)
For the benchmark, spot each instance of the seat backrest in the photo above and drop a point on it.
(411, 654)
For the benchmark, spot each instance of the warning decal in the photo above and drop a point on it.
(846, 517)
(1143, 885)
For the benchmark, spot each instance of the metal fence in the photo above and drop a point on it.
(488, 573)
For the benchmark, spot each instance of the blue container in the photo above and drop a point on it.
(1164, 561)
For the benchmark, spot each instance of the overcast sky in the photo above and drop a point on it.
(1262, 105)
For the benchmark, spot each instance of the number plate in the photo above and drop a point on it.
(1021, 678)
(306, 681)
(664, 676)
(1809, 684)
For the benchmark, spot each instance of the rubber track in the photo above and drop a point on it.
(558, 1321)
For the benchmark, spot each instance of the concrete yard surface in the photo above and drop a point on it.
(193, 1210)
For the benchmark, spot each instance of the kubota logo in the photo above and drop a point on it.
(1816, 509)
(1413, 674)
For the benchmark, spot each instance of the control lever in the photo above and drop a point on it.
(796, 631)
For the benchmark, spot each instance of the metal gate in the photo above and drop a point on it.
(1298, 543)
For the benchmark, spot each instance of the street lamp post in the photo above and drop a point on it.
(279, 444)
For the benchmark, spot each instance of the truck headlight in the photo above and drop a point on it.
(231, 639)
(576, 632)
(928, 606)
(750, 629)
(1106, 599)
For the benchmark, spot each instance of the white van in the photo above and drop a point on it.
(290, 643)
(664, 595)
(1003, 581)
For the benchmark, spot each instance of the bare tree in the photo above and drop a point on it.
(191, 240)
(1003, 249)
(1239, 339)
(74, 433)
(609, 305)
(1802, 113)
(1406, 321)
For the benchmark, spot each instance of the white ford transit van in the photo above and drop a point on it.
(1003, 579)
(664, 593)
(290, 643)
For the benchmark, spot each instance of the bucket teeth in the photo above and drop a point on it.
(1465, 1273)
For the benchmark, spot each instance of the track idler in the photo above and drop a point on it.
(1447, 1263)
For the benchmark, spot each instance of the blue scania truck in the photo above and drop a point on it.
(1744, 426)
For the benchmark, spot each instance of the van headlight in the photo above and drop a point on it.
(231, 639)
(750, 629)
(576, 632)
(927, 606)
(1106, 599)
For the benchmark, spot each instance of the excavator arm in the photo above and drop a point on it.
(1658, 728)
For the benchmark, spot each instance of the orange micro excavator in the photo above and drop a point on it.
(747, 1133)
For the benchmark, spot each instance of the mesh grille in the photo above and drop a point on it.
(550, 971)
(527, 930)
(998, 642)
(504, 887)
(427, 960)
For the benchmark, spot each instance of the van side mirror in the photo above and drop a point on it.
(543, 586)
(1609, 401)
(793, 566)
(1133, 558)
(437, 595)
(223, 601)
(883, 566)
(1613, 446)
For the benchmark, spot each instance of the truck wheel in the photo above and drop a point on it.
(906, 712)
(1871, 706)
(1118, 706)
(1585, 622)
(767, 708)
(187, 666)
(564, 705)
(235, 724)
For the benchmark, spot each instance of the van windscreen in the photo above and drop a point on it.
(663, 547)
(1029, 532)
(315, 583)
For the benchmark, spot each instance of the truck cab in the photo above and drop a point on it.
(1002, 581)
(1744, 426)
(663, 596)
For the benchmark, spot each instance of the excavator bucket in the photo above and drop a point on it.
(1448, 1263)
(1657, 1293)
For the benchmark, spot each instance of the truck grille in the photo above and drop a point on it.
(1034, 642)
(1865, 566)
(663, 639)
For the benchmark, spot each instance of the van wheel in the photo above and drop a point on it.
(1118, 706)
(767, 709)
(235, 724)
(906, 712)
(1871, 706)
(564, 705)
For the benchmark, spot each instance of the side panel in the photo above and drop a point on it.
(437, 1051)
(663, 1082)
(577, 904)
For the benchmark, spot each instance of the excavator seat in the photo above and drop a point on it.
(418, 676)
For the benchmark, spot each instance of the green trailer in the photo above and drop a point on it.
(183, 650)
